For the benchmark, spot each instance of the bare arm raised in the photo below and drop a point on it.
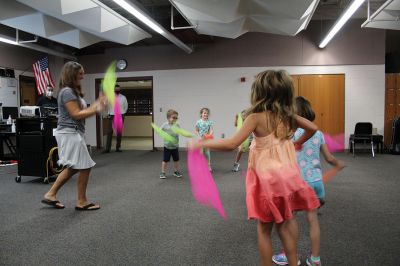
(231, 143)
(78, 114)
(309, 130)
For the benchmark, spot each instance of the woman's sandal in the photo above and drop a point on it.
(54, 203)
(88, 207)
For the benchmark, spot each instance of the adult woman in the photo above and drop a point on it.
(70, 131)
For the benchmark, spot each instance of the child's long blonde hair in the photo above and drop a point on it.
(272, 92)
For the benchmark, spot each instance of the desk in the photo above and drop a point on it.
(6, 137)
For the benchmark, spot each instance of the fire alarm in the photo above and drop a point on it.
(242, 79)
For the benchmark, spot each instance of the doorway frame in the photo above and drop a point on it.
(99, 129)
(29, 79)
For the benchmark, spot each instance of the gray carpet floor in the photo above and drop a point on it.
(148, 221)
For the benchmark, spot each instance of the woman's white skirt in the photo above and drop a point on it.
(72, 149)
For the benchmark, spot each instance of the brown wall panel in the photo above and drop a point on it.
(390, 81)
(392, 104)
(397, 97)
(390, 96)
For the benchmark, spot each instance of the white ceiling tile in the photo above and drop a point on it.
(195, 14)
(28, 23)
(394, 5)
(310, 9)
(211, 10)
(109, 21)
(227, 30)
(386, 17)
(53, 26)
(302, 26)
(389, 25)
(282, 8)
(269, 16)
(45, 6)
(68, 6)
(88, 17)
(125, 35)
(76, 38)
(12, 9)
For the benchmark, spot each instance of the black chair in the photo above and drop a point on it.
(362, 134)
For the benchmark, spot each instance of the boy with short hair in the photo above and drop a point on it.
(171, 149)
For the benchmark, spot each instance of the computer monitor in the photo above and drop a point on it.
(7, 111)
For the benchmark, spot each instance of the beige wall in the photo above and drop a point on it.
(138, 126)
(220, 89)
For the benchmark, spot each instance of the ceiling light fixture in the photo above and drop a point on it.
(139, 15)
(341, 21)
(143, 17)
(36, 47)
(8, 41)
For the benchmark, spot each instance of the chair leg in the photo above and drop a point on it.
(353, 146)
(350, 146)
(372, 148)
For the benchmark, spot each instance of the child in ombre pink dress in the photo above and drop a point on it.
(274, 186)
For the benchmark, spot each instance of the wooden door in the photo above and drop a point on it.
(27, 91)
(326, 95)
(296, 80)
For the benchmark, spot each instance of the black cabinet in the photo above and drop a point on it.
(8, 149)
(34, 141)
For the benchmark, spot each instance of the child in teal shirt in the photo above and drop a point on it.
(203, 128)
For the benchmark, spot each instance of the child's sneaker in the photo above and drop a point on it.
(311, 262)
(281, 259)
(177, 174)
(162, 175)
(236, 167)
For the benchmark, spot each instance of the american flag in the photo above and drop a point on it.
(42, 75)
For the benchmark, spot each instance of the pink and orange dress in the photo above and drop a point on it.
(274, 186)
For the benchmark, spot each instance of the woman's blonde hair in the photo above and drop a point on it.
(272, 92)
(69, 74)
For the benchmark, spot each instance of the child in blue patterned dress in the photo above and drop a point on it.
(310, 165)
(205, 127)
